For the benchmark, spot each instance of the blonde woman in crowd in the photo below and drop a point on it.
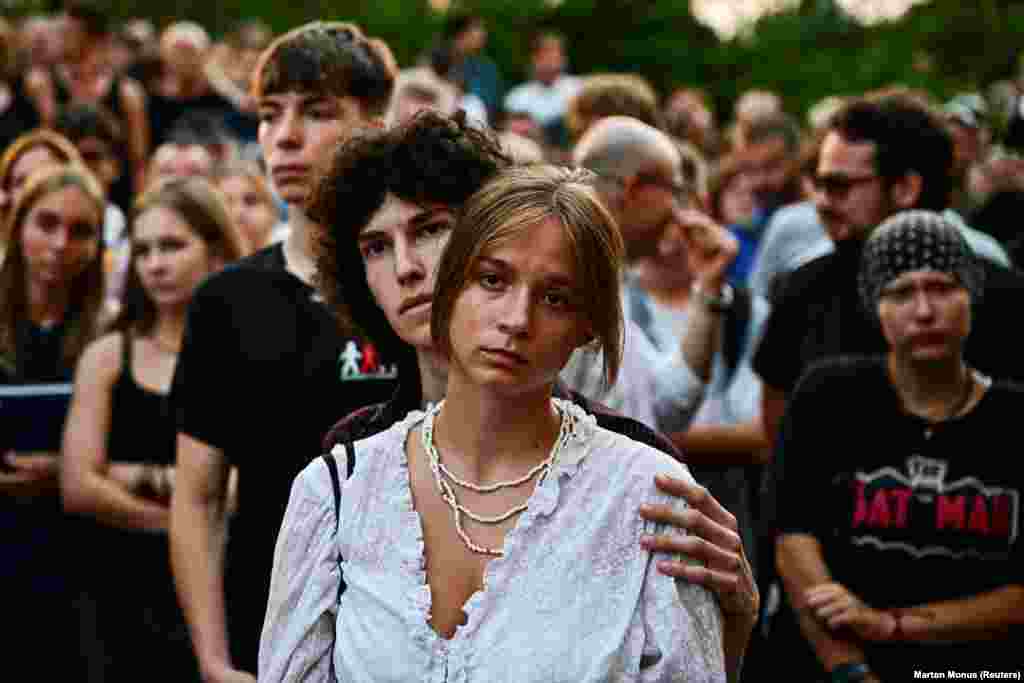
(52, 285)
(251, 204)
(27, 154)
(180, 234)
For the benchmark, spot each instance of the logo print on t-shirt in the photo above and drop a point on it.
(923, 514)
(361, 363)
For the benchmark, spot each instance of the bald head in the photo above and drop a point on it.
(646, 165)
(622, 146)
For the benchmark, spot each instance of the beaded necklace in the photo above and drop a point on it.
(444, 479)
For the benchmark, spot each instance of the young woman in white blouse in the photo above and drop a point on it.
(484, 539)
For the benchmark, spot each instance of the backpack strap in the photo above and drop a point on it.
(332, 469)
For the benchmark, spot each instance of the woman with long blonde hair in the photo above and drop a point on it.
(51, 289)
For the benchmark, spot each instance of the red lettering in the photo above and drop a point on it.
(950, 511)
(369, 359)
(1000, 521)
(979, 516)
(879, 515)
(902, 497)
(860, 510)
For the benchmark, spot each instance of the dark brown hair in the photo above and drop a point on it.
(429, 159)
(329, 57)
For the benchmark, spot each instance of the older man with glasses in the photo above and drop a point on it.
(641, 183)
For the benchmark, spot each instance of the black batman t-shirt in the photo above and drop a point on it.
(906, 512)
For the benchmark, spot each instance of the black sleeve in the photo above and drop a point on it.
(627, 426)
(208, 375)
(804, 451)
(777, 360)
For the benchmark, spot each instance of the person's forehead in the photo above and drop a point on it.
(69, 200)
(35, 154)
(396, 214)
(542, 247)
(283, 98)
(922, 276)
(838, 153)
(160, 218)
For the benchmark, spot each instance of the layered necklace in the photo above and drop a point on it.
(444, 478)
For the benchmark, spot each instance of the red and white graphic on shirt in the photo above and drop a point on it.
(922, 514)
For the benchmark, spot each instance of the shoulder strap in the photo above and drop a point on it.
(332, 469)
(126, 353)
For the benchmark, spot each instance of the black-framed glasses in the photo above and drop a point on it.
(839, 185)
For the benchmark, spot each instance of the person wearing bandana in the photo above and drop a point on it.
(901, 554)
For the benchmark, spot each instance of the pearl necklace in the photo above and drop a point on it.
(442, 475)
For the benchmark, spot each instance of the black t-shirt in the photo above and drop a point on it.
(262, 375)
(907, 513)
(819, 315)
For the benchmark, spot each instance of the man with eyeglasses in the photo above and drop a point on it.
(879, 157)
(796, 234)
(641, 183)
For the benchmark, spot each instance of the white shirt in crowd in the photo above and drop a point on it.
(545, 103)
(574, 598)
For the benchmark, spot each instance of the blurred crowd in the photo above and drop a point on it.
(137, 161)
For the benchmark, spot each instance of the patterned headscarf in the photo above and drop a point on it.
(916, 240)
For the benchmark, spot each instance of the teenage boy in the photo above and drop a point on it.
(264, 370)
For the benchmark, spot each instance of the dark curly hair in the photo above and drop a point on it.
(429, 159)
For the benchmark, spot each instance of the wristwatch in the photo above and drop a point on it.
(717, 304)
(850, 672)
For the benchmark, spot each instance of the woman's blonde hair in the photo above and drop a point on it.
(612, 94)
(41, 137)
(516, 200)
(249, 170)
(86, 297)
(203, 209)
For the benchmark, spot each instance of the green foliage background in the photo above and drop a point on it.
(806, 53)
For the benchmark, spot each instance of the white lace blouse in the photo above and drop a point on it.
(574, 598)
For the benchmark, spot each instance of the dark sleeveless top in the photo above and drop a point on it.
(141, 428)
(39, 355)
(20, 115)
